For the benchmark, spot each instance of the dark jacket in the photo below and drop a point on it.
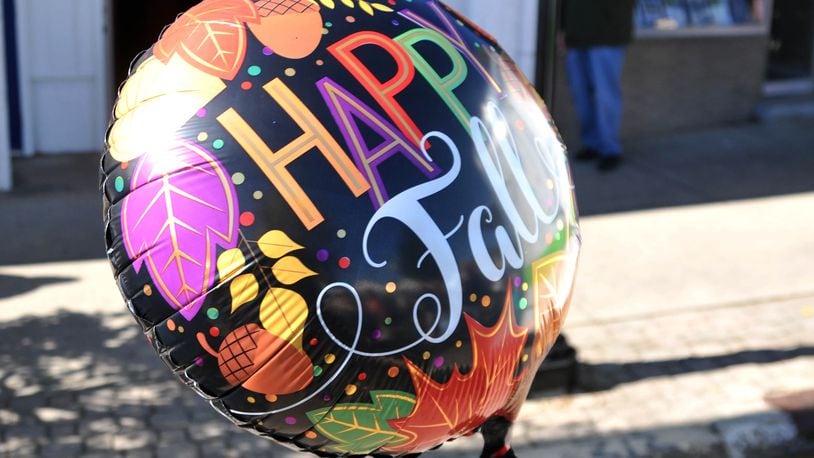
(597, 22)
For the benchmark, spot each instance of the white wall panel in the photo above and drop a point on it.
(512, 22)
(64, 74)
(5, 146)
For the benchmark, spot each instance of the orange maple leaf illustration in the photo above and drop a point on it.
(211, 36)
(463, 403)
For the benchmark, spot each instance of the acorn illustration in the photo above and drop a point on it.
(291, 28)
(260, 361)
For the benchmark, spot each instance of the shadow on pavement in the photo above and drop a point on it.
(79, 385)
(601, 377)
(11, 286)
(732, 163)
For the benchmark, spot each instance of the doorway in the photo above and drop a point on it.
(137, 25)
(790, 67)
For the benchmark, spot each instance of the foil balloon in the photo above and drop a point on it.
(348, 224)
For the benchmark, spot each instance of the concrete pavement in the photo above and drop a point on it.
(693, 316)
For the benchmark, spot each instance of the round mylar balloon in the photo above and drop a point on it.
(349, 224)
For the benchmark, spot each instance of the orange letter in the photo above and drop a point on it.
(384, 92)
(274, 164)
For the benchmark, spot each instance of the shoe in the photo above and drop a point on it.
(608, 163)
(586, 154)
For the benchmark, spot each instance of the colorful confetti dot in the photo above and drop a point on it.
(199, 361)
(310, 435)
(351, 389)
(473, 297)
(317, 371)
(212, 313)
(391, 287)
(251, 399)
(388, 321)
(267, 51)
(271, 398)
(520, 125)
(246, 219)
(549, 238)
(218, 144)
(362, 377)
(350, 19)
(314, 342)
(344, 263)
(558, 236)
(523, 304)
(486, 301)
(290, 72)
(393, 372)
(320, 62)
(257, 195)
(459, 344)
(201, 113)
(290, 421)
(426, 355)
(560, 225)
(329, 24)
(214, 332)
(549, 184)
(327, 398)
(238, 178)
(323, 255)
(377, 334)
(203, 136)
(181, 329)
(330, 358)
(246, 85)
(325, 31)
(148, 290)
(395, 22)
(171, 325)
(525, 358)
(119, 184)
(439, 361)
(125, 165)
(517, 282)
(255, 70)
(525, 287)
(341, 233)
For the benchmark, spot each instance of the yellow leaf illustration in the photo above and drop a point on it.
(381, 7)
(230, 262)
(276, 244)
(290, 270)
(348, 3)
(329, 3)
(365, 6)
(283, 313)
(244, 289)
(155, 102)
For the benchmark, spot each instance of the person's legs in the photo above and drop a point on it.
(605, 64)
(580, 82)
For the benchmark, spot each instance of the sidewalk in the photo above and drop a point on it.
(693, 317)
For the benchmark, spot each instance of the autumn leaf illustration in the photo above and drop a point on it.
(359, 429)
(276, 244)
(552, 286)
(211, 36)
(454, 408)
(181, 207)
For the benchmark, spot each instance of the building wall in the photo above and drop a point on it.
(680, 83)
(513, 24)
(5, 143)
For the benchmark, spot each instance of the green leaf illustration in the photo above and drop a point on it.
(359, 429)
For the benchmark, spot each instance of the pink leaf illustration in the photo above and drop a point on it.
(181, 206)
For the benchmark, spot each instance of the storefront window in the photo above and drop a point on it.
(680, 14)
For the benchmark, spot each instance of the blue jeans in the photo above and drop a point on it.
(594, 75)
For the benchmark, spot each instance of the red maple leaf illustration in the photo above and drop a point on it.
(211, 36)
(463, 403)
